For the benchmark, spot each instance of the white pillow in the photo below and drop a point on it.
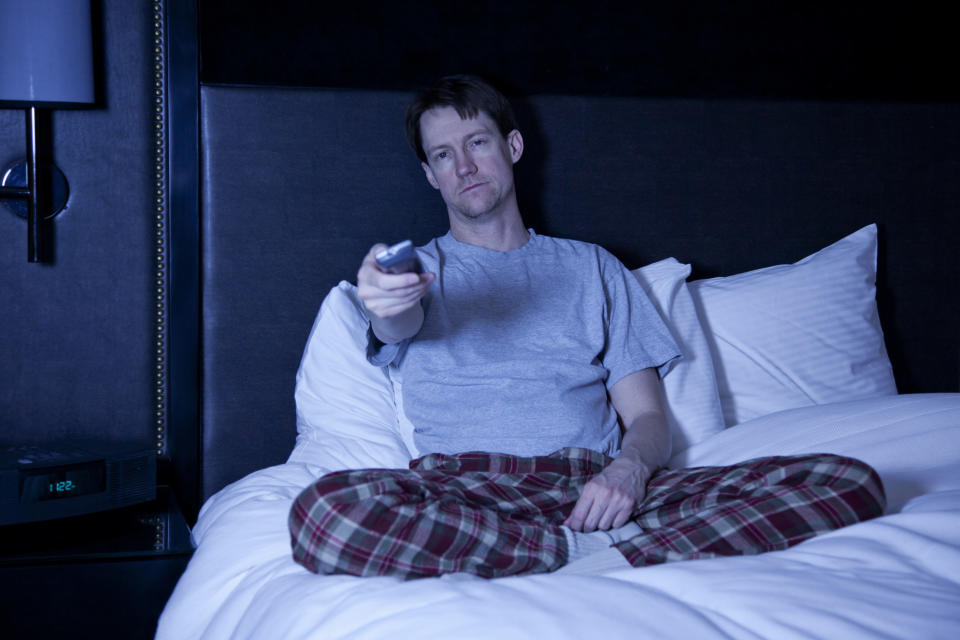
(689, 386)
(797, 335)
(346, 415)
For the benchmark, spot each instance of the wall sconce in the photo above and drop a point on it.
(47, 53)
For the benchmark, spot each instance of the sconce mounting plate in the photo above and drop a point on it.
(16, 176)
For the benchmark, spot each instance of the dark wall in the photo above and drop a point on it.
(778, 57)
(77, 336)
(698, 48)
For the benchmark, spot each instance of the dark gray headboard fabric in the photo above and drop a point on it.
(298, 183)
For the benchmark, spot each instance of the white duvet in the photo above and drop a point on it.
(897, 576)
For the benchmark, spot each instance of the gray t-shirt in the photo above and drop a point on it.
(518, 348)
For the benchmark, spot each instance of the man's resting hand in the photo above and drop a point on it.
(609, 498)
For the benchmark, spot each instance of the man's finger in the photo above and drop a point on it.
(597, 516)
(579, 513)
(394, 284)
(621, 518)
(590, 508)
(616, 513)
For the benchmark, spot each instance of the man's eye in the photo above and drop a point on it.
(441, 156)
(479, 141)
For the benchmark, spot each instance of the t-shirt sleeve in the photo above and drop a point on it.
(380, 354)
(637, 337)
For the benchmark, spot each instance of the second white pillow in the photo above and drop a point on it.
(797, 334)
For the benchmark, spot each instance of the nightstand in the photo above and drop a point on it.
(104, 575)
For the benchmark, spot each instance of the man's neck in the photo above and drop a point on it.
(499, 234)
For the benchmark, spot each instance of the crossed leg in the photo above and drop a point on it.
(496, 515)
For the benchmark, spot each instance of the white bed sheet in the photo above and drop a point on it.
(897, 576)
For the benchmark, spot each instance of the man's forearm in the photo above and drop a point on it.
(647, 440)
(399, 327)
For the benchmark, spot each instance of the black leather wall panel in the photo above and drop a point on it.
(298, 183)
(296, 186)
(76, 336)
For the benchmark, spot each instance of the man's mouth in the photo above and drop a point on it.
(471, 187)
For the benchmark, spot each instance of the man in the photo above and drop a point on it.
(470, 161)
(530, 371)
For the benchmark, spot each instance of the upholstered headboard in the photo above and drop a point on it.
(296, 184)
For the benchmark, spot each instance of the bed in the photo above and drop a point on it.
(784, 353)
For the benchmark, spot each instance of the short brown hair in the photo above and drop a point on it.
(469, 95)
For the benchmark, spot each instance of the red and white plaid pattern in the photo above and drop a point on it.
(765, 504)
(496, 515)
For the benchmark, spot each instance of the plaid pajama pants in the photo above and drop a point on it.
(497, 515)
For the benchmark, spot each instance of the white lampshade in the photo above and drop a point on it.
(46, 53)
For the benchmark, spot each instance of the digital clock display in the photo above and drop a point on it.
(66, 481)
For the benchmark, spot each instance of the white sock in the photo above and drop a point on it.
(603, 561)
(581, 545)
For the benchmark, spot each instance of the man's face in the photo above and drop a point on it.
(469, 161)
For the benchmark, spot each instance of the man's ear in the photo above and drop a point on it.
(432, 179)
(515, 144)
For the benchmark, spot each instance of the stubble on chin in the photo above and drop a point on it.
(475, 209)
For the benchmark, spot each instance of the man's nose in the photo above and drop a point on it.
(465, 165)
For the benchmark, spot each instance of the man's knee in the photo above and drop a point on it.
(863, 480)
(313, 545)
(849, 479)
(301, 522)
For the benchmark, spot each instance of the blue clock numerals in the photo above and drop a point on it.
(68, 482)
(63, 486)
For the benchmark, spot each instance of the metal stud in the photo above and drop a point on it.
(160, 213)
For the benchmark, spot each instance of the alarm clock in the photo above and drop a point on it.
(73, 478)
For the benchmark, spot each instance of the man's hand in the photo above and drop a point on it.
(609, 498)
(388, 295)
